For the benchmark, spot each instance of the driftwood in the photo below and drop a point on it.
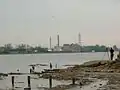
(3, 74)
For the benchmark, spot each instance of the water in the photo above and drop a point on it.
(10, 63)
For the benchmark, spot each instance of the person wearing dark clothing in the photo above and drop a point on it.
(30, 70)
(111, 53)
(33, 67)
(50, 66)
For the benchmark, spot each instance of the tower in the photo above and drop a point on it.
(79, 41)
(58, 44)
(50, 44)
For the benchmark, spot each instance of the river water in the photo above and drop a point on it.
(10, 63)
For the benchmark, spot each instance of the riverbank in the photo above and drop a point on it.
(87, 73)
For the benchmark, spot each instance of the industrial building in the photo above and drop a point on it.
(74, 47)
(71, 47)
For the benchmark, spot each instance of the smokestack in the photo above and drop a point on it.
(58, 40)
(79, 39)
(79, 42)
(50, 43)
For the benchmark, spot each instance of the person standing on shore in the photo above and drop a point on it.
(56, 66)
(33, 68)
(50, 65)
(111, 53)
(30, 70)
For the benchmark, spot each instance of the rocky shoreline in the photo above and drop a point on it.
(86, 73)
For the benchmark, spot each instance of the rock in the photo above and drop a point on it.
(110, 71)
(100, 84)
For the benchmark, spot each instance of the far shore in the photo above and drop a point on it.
(47, 53)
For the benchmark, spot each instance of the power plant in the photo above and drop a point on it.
(58, 47)
(74, 47)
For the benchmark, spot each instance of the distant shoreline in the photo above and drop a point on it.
(45, 53)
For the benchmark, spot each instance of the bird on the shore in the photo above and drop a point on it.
(18, 70)
(80, 84)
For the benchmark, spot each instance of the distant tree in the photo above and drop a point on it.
(115, 48)
(96, 48)
(21, 48)
(40, 49)
(8, 46)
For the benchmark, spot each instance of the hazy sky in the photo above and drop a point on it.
(34, 21)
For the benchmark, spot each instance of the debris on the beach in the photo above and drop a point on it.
(70, 65)
(38, 65)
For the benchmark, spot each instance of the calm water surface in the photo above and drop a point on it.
(10, 63)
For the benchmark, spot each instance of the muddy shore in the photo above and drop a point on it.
(87, 73)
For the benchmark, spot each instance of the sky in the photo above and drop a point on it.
(34, 21)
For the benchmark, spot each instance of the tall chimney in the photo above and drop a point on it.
(79, 39)
(50, 43)
(58, 40)
(79, 42)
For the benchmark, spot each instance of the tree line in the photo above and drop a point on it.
(27, 49)
(21, 49)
